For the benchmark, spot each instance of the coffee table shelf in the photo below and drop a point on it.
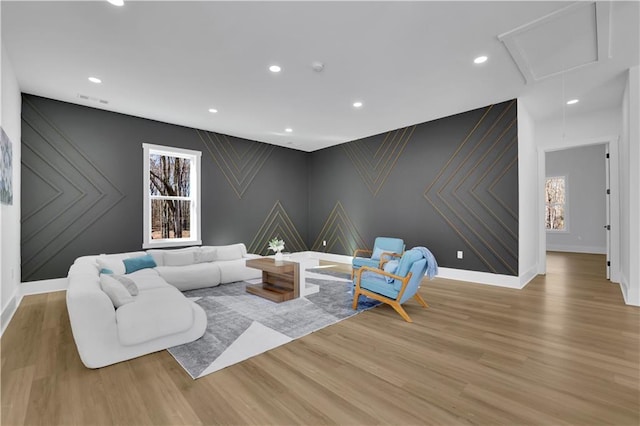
(280, 279)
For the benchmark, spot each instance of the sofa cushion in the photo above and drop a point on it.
(183, 258)
(206, 254)
(155, 313)
(231, 252)
(189, 277)
(147, 279)
(116, 291)
(133, 264)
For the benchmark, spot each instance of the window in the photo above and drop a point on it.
(555, 208)
(171, 196)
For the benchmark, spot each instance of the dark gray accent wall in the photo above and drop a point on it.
(449, 184)
(82, 185)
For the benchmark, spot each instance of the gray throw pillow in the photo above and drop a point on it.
(128, 283)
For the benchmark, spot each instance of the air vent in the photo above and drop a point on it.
(92, 99)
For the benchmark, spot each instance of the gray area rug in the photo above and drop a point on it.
(242, 325)
(337, 274)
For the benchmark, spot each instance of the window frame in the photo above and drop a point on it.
(195, 171)
(564, 205)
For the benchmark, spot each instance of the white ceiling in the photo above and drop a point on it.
(408, 62)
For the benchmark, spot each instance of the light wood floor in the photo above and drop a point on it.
(565, 350)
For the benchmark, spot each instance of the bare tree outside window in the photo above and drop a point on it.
(169, 179)
(555, 199)
(172, 196)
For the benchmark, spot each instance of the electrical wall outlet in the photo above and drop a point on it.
(460, 255)
(324, 243)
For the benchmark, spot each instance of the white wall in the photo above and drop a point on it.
(10, 215)
(630, 190)
(528, 216)
(584, 170)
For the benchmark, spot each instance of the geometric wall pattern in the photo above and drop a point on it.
(340, 233)
(277, 224)
(239, 161)
(73, 193)
(465, 192)
(375, 159)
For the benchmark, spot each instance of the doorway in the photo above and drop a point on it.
(591, 211)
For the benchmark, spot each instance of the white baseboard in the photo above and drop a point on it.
(448, 273)
(624, 288)
(9, 310)
(43, 286)
(499, 280)
(577, 249)
(528, 276)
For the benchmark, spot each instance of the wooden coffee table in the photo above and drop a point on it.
(280, 279)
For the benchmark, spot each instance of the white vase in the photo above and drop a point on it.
(278, 256)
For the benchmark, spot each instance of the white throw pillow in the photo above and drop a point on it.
(232, 252)
(117, 292)
(110, 265)
(205, 255)
(173, 258)
(158, 256)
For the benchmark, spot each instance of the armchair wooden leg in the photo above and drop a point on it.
(420, 300)
(399, 309)
(356, 295)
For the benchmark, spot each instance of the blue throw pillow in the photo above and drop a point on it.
(136, 263)
(377, 252)
(391, 267)
(106, 271)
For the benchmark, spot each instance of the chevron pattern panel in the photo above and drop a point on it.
(375, 157)
(73, 192)
(277, 224)
(466, 191)
(339, 232)
(239, 161)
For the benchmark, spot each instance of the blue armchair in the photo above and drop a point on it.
(395, 284)
(384, 248)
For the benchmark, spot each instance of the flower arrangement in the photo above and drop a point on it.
(276, 244)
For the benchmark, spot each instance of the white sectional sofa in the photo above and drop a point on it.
(110, 324)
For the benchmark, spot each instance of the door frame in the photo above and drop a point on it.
(611, 142)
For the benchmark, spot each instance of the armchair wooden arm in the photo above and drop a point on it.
(388, 254)
(363, 251)
(405, 280)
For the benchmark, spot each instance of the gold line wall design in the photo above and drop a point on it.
(74, 192)
(82, 187)
(450, 185)
(277, 224)
(374, 161)
(238, 167)
(340, 234)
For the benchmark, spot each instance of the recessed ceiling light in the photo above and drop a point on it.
(275, 68)
(288, 130)
(116, 2)
(357, 104)
(213, 110)
(573, 101)
(480, 60)
(95, 80)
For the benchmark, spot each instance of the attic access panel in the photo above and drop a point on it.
(568, 38)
